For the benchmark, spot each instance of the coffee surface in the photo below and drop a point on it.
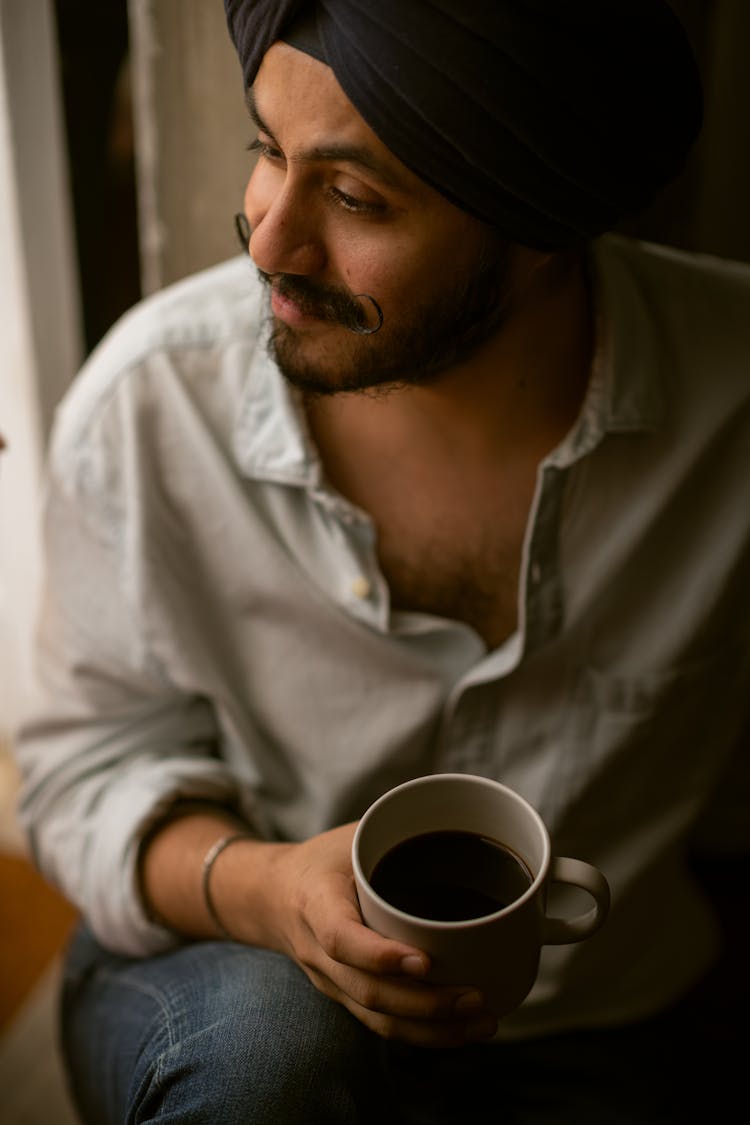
(450, 876)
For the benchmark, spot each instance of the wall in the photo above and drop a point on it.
(706, 208)
(40, 341)
(192, 130)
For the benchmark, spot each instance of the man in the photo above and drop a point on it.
(472, 506)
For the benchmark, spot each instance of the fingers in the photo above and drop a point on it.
(350, 943)
(395, 998)
(420, 1014)
(381, 982)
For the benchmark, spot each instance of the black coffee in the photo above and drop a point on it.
(450, 876)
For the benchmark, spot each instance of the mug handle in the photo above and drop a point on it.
(564, 931)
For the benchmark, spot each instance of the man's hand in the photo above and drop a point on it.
(300, 899)
(316, 918)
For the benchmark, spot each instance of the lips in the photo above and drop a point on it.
(299, 303)
(291, 312)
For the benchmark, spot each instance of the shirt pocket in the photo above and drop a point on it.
(638, 749)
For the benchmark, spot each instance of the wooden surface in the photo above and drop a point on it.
(35, 922)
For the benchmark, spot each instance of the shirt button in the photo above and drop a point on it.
(361, 588)
(536, 573)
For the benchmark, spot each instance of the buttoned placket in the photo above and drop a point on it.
(468, 735)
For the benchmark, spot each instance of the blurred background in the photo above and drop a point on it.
(123, 158)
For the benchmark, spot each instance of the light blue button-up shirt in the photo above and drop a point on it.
(215, 623)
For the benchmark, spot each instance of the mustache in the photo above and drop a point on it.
(336, 306)
(322, 301)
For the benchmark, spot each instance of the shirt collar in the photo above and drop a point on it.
(625, 392)
(627, 350)
(271, 439)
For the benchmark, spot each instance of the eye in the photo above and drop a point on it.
(351, 203)
(265, 149)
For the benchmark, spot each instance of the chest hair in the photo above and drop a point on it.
(465, 577)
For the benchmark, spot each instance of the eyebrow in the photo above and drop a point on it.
(331, 153)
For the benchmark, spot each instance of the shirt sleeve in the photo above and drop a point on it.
(108, 744)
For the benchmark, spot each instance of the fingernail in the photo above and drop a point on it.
(413, 965)
(469, 1002)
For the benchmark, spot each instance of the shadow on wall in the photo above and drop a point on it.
(705, 208)
(94, 63)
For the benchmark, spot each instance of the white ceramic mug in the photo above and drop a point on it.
(498, 952)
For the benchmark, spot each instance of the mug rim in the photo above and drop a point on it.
(464, 923)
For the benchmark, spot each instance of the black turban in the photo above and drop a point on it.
(549, 119)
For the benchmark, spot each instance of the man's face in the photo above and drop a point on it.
(334, 215)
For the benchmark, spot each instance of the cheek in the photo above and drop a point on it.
(387, 269)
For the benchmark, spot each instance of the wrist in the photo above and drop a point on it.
(209, 860)
(171, 863)
(246, 884)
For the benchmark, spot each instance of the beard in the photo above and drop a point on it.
(431, 337)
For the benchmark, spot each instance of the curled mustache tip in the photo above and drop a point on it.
(368, 329)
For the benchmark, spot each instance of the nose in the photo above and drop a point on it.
(284, 236)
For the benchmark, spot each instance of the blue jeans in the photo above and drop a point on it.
(218, 1033)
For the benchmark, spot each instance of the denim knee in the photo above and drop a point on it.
(262, 1043)
(214, 1032)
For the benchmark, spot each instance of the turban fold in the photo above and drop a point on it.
(549, 119)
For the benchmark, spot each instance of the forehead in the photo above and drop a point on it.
(302, 104)
(292, 81)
